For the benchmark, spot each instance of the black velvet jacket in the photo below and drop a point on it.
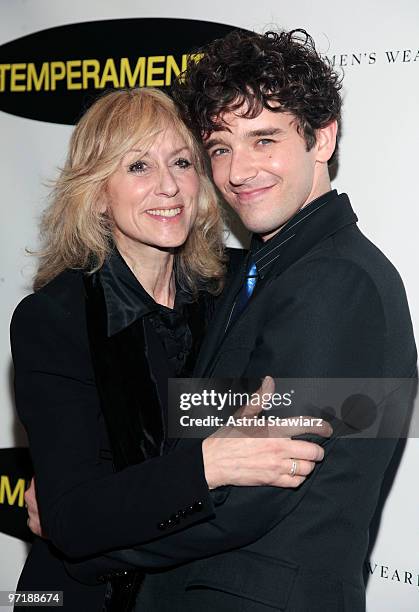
(133, 338)
(90, 406)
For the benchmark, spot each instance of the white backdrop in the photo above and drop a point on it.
(378, 167)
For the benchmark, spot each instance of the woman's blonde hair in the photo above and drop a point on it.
(76, 234)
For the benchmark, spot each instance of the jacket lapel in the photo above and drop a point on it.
(335, 216)
(132, 411)
(216, 329)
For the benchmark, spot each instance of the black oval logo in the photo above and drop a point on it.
(53, 75)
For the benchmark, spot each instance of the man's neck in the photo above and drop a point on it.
(266, 237)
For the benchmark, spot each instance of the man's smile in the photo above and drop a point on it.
(250, 195)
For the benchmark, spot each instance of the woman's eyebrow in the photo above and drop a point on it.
(185, 148)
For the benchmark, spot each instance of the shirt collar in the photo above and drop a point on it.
(264, 254)
(125, 298)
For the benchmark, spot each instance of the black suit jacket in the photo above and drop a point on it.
(74, 385)
(332, 307)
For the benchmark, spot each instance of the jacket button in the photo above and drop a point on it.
(197, 507)
(121, 573)
(175, 518)
(162, 525)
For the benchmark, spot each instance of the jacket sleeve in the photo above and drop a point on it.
(338, 337)
(85, 509)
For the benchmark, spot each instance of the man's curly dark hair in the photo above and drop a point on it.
(279, 71)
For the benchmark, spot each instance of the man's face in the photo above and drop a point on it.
(263, 169)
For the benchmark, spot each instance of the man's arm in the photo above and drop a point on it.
(328, 322)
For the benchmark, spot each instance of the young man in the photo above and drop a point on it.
(326, 304)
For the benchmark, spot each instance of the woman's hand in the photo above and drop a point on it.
(253, 456)
(244, 456)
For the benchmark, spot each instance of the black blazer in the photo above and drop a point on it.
(333, 307)
(73, 385)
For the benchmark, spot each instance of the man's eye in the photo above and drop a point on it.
(183, 163)
(218, 152)
(137, 167)
(265, 141)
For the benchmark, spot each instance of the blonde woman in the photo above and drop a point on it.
(131, 263)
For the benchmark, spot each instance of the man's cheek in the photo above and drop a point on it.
(219, 173)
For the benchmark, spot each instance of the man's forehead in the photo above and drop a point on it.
(237, 110)
(232, 122)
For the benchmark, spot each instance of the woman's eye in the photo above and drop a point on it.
(183, 163)
(137, 167)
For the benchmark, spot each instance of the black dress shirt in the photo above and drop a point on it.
(168, 338)
(168, 334)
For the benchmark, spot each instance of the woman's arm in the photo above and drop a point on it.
(85, 508)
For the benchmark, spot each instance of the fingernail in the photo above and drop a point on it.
(265, 382)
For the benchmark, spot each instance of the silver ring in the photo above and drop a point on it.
(293, 469)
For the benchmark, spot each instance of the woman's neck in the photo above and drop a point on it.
(153, 268)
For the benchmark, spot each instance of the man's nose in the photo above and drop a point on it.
(166, 184)
(242, 170)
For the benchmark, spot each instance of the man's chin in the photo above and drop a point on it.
(263, 230)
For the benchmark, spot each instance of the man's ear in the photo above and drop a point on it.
(326, 141)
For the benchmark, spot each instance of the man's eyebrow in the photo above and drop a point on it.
(264, 132)
(260, 133)
(212, 142)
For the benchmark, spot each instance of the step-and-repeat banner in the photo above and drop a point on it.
(56, 57)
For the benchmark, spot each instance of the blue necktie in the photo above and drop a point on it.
(244, 294)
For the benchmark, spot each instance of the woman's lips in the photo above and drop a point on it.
(165, 214)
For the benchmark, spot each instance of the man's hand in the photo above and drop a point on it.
(244, 456)
(34, 522)
(252, 456)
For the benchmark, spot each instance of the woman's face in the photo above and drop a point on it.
(153, 197)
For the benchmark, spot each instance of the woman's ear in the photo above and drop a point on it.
(326, 141)
(103, 201)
